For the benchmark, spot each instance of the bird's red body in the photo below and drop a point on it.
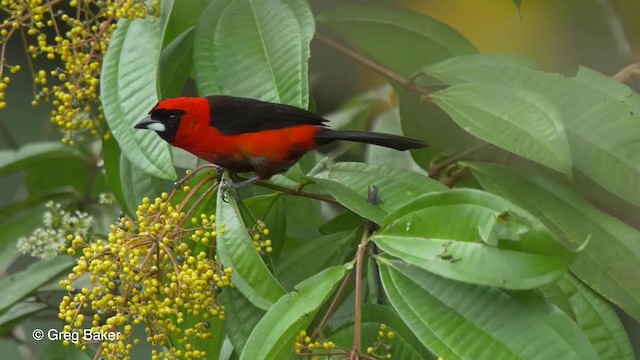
(249, 135)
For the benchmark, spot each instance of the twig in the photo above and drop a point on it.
(297, 192)
(453, 179)
(372, 199)
(332, 306)
(436, 168)
(407, 83)
(628, 74)
(357, 322)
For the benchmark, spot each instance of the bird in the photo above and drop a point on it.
(242, 134)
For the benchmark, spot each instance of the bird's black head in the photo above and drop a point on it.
(163, 121)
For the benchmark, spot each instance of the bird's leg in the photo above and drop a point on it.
(236, 184)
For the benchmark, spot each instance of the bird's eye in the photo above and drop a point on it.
(173, 118)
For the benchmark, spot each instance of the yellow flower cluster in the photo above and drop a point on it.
(152, 272)
(80, 42)
(383, 335)
(306, 346)
(259, 236)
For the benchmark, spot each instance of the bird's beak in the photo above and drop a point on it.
(150, 124)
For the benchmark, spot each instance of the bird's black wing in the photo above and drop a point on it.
(236, 115)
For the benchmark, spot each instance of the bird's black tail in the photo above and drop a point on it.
(387, 140)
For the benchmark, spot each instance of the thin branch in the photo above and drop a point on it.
(357, 322)
(332, 306)
(628, 74)
(369, 227)
(453, 179)
(407, 83)
(297, 192)
(436, 168)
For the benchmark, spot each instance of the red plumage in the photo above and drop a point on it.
(243, 134)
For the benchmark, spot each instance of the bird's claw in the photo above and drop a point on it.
(226, 185)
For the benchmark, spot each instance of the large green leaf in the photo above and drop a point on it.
(18, 312)
(257, 49)
(235, 249)
(460, 321)
(13, 228)
(515, 119)
(72, 173)
(399, 39)
(176, 64)
(404, 41)
(241, 317)
(475, 237)
(609, 155)
(129, 88)
(136, 185)
(609, 263)
(327, 251)
(349, 183)
(19, 285)
(33, 154)
(273, 337)
(595, 316)
(111, 155)
(272, 210)
(405, 345)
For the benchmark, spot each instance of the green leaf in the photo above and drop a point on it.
(274, 335)
(608, 264)
(72, 173)
(13, 228)
(608, 155)
(241, 316)
(597, 319)
(405, 345)
(111, 155)
(183, 16)
(351, 199)
(349, 183)
(129, 88)
(21, 284)
(518, 120)
(607, 86)
(475, 237)
(345, 221)
(327, 251)
(257, 49)
(442, 134)
(495, 325)
(389, 123)
(34, 154)
(272, 210)
(136, 185)
(176, 64)
(398, 39)
(235, 249)
(18, 312)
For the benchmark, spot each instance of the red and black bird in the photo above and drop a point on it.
(244, 135)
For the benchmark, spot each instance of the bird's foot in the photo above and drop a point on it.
(235, 185)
